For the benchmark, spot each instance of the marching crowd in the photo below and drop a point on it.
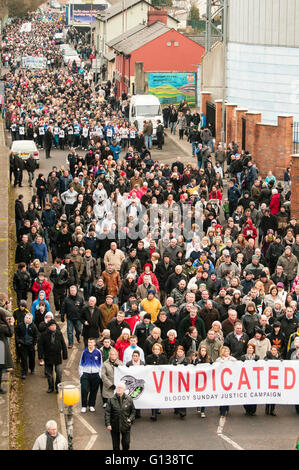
(148, 263)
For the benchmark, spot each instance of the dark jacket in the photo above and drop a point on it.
(59, 279)
(173, 281)
(21, 281)
(6, 331)
(24, 253)
(288, 326)
(162, 272)
(52, 352)
(165, 326)
(116, 328)
(237, 348)
(186, 323)
(94, 322)
(20, 334)
(169, 348)
(19, 210)
(71, 307)
(118, 411)
(143, 333)
(99, 293)
(154, 360)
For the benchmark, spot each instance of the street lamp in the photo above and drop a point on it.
(69, 395)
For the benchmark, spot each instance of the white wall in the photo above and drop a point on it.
(264, 22)
(264, 79)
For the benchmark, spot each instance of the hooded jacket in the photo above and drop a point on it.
(35, 304)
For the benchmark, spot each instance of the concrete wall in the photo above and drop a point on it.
(264, 22)
(264, 78)
(211, 71)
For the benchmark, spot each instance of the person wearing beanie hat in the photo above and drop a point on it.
(53, 349)
(143, 329)
(151, 305)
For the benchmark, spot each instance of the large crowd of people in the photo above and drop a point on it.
(148, 263)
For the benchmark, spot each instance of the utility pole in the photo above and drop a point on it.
(216, 8)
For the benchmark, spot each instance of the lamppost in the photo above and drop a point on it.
(69, 394)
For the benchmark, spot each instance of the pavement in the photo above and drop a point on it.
(4, 263)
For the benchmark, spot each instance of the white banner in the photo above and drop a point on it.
(38, 62)
(231, 383)
(25, 28)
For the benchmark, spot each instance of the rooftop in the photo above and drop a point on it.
(138, 39)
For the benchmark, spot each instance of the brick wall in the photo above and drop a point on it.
(270, 145)
(295, 186)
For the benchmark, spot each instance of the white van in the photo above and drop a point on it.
(143, 108)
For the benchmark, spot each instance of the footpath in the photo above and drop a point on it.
(20, 424)
(4, 272)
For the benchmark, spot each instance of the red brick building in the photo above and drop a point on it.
(160, 49)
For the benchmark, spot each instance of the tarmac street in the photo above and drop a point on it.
(235, 432)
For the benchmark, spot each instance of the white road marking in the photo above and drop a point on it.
(86, 424)
(91, 442)
(72, 358)
(225, 438)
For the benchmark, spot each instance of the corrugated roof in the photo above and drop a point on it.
(145, 35)
(118, 8)
(126, 35)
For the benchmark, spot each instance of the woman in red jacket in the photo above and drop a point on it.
(148, 272)
(275, 202)
(215, 194)
(249, 230)
(123, 343)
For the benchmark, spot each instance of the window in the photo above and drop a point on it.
(176, 44)
(168, 44)
(148, 110)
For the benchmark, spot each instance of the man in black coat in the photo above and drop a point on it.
(165, 324)
(30, 165)
(163, 270)
(18, 167)
(119, 415)
(116, 325)
(237, 341)
(21, 282)
(71, 308)
(175, 278)
(91, 320)
(59, 276)
(53, 349)
(26, 338)
(48, 139)
(19, 213)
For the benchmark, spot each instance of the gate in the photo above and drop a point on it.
(243, 133)
(296, 137)
(211, 117)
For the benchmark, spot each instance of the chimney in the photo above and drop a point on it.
(156, 15)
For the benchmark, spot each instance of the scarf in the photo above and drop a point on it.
(193, 320)
(53, 334)
(180, 360)
(50, 441)
(88, 264)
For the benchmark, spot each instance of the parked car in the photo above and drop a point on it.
(25, 148)
(59, 38)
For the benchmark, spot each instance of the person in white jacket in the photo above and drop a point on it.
(100, 193)
(69, 198)
(132, 348)
(51, 439)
